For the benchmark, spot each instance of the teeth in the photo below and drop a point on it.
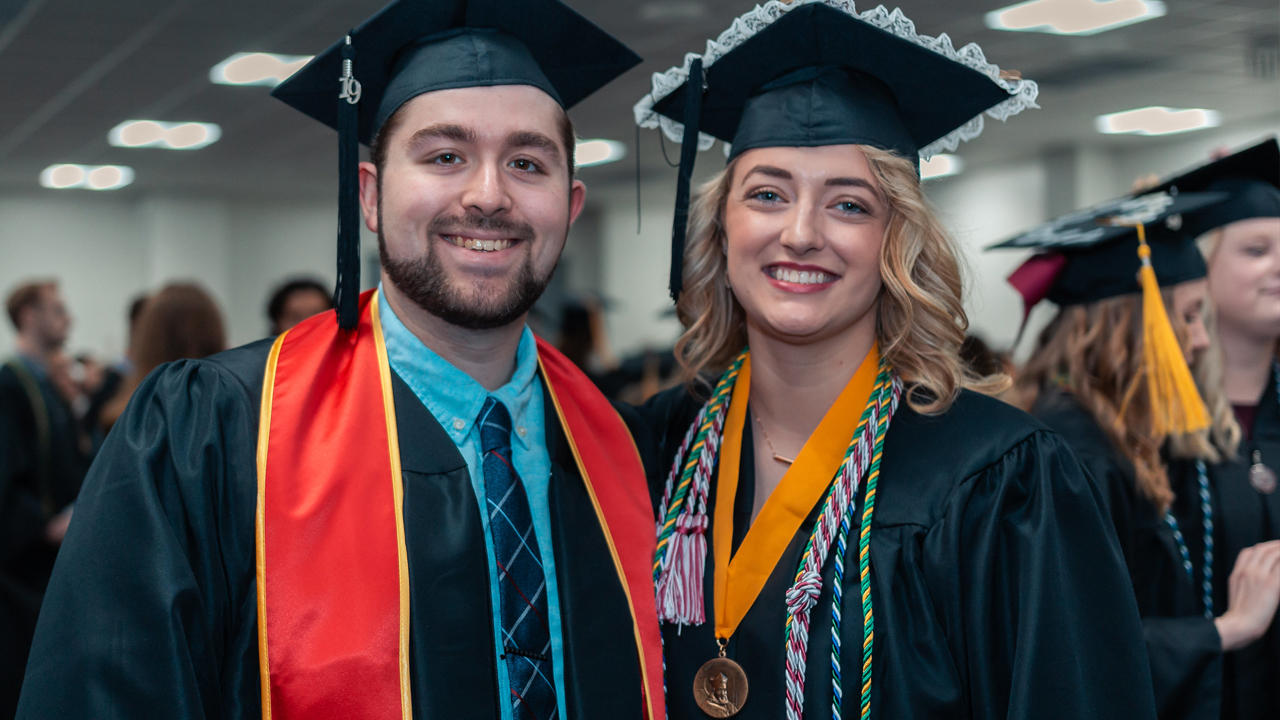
(800, 277)
(480, 245)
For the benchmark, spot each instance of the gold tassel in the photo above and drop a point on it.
(1176, 406)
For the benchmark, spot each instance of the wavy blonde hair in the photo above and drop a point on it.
(920, 320)
(1222, 439)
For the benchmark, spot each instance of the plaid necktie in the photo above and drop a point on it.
(522, 587)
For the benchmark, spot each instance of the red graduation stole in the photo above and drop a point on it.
(333, 577)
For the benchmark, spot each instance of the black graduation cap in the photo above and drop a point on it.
(412, 47)
(1093, 254)
(1139, 245)
(817, 73)
(1250, 177)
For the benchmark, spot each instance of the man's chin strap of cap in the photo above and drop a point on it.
(346, 294)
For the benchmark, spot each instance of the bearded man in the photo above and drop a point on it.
(419, 510)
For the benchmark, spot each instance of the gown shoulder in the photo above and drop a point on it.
(160, 554)
(979, 445)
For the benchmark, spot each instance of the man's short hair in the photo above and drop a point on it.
(378, 148)
(280, 298)
(28, 294)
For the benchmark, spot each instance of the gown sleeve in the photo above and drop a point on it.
(1184, 648)
(1049, 624)
(151, 611)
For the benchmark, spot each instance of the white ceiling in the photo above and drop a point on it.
(73, 69)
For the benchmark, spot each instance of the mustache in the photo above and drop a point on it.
(456, 224)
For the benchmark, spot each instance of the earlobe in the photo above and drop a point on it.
(577, 200)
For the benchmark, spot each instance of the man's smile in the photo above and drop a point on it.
(480, 244)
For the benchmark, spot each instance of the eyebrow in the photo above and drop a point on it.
(770, 171)
(779, 173)
(851, 182)
(536, 140)
(442, 131)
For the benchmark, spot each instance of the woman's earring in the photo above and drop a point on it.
(726, 281)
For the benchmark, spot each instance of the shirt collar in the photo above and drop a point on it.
(35, 365)
(452, 396)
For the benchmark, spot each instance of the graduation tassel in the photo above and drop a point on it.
(688, 155)
(1176, 406)
(346, 294)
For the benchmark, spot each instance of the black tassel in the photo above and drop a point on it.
(688, 155)
(347, 293)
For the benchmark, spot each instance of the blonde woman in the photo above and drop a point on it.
(849, 529)
(1091, 378)
(1241, 240)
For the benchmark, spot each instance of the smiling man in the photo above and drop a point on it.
(410, 507)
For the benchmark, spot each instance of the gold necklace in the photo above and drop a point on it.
(765, 433)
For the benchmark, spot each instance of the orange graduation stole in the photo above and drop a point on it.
(333, 578)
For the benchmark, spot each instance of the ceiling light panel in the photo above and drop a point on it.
(598, 152)
(169, 135)
(1074, 17)
(86, 177)
(1157, 121)
(940, 166)
(266, 69)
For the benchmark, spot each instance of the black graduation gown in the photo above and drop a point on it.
(151, 611)
(1183, 645)
(34, 485)
(1242, 517)
(997, 587)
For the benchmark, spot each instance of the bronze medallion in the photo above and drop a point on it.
(1262, 478)
(720, 688)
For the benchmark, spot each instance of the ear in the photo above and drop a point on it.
(369, 195)
(577, 200)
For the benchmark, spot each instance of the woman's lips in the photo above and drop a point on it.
(796, 278)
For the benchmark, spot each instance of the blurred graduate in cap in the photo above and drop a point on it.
(1230, 515)
(849, 528)
(1110, 374)
(409, 507)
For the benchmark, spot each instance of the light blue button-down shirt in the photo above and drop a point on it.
(455, 399)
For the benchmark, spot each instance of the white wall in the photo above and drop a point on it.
(94, 246)
(981, 207)
(106, 250)
(635, 268)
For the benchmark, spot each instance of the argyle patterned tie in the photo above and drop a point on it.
(522, 587)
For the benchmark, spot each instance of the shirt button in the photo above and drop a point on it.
(459, 423)
(521, 431)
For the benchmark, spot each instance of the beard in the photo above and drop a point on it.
(426, 283)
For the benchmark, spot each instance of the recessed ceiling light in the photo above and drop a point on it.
(171, 135)
(257, 69)
(87, 177)
(940, 166)
(1074, 17)
(1157, 121)
(598, 152)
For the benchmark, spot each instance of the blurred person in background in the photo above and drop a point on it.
(1110, 374)
(113, 376)
(41, 468)
(1229, 513)
(982, 360)
(295, 301)
(181, 321)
